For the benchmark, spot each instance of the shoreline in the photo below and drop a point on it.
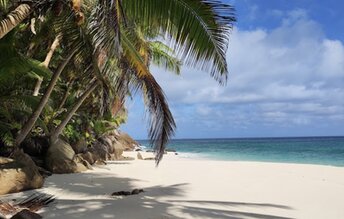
(188, 188)
(195, 156)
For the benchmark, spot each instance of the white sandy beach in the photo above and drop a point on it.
(189, 188)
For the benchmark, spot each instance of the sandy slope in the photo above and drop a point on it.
(182, 188)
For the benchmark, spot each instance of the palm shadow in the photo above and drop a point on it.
(91, 198)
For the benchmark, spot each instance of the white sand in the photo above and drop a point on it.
(185, 188)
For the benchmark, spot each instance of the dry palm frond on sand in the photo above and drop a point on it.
(33, 203)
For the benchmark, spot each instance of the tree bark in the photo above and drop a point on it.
(46, 62)
(52, 49)
(14, 18)
(37, 86)
(31, 122)
(56, 133)
(65, 96)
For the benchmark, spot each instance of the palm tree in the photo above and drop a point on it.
(198, 33)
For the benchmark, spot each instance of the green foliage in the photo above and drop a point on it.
(72, 133)
(113, 47)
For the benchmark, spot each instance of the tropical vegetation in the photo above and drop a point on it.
(67, 66)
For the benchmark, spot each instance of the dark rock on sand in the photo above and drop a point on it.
(121, 193)
(26, 214)
(126, 193)
(136, 191)
(149, 158)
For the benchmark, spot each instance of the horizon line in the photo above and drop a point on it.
(312, 136)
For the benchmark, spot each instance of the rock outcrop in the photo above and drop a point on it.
(127, 142)
(61, 158)
(19, 174)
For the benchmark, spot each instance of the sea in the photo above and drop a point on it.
(304, 150)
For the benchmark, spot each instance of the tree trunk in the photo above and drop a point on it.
(53, 47)
(46, 62)
(65, 96)
(14, 18)
(31, 122)
(56, 133)
(37, 86)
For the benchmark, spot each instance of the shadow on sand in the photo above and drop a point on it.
(94, 201)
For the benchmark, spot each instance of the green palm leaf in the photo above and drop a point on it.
(162, 124)
(200, 29)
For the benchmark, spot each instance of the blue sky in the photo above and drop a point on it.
(286, 61)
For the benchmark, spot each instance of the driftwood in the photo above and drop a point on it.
(32, 203)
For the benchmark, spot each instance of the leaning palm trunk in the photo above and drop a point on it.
(52, 49)
(56, 133)
(14, 18)
(46, 63)
(37, 86)
(31, 122)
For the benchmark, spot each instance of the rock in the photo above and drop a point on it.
(139, 156)
(89, 157)
(126, 193)
(80, 146)
(100, 149)
(79, 159)
(127, 142)
(107, 141)
(26, 214)
(19, 174)
(145, 156)
(118, 150)
(121, 193)
(128, 158)
(45, 173)
(36, 146)
(176, 153)
(138, 149)
(61, 158)
(170, 150)
(136, 191)
(149, 158)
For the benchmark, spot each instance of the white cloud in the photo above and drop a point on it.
(287, 78)
(292, 74)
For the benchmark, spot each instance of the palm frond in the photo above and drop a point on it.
(163, 56)
(14, 18)
(161, 122)
(199, 29)
(104, 28)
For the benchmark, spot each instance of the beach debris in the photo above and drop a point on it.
(26, 214)
(126, 193)
(32, 204)
(36, 201)
(7, 208)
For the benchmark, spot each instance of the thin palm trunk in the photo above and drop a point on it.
(37, 86)
(65, 96)
(14, 18)
(52, 49)
(46, 62)
(31, 122)
(56, 133)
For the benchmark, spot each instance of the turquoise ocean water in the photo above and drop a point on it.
(308, 150)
